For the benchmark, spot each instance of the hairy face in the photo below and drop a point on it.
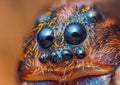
(71, 42)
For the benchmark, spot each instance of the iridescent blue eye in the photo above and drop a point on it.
(67, 55)
(43, 58)
(95, 16)
(53, 57)
(75, 33)
(45, 37)
(80, 53)
(44, 18)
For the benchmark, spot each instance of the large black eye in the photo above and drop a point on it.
(45, 37)
(75, 33)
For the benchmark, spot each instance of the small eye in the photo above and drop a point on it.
(67, 55)
(45, 37)
(44, 18)
(43, 58)
(53, 57)
(95, 16)
(80, 53)
(75, 33)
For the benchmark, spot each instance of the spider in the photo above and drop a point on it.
(71, 45)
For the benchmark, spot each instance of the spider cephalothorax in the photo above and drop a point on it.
(69, 43)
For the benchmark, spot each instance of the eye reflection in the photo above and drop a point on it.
(95, 16)
(80, 53)
(45, 37)
(43, 58)
(75, 33)
(53, 57)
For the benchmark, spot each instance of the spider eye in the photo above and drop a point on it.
(75, 33)
(45, 37)
(95, 16)
(80, 53)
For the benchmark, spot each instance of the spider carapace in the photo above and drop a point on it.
(71, 45)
